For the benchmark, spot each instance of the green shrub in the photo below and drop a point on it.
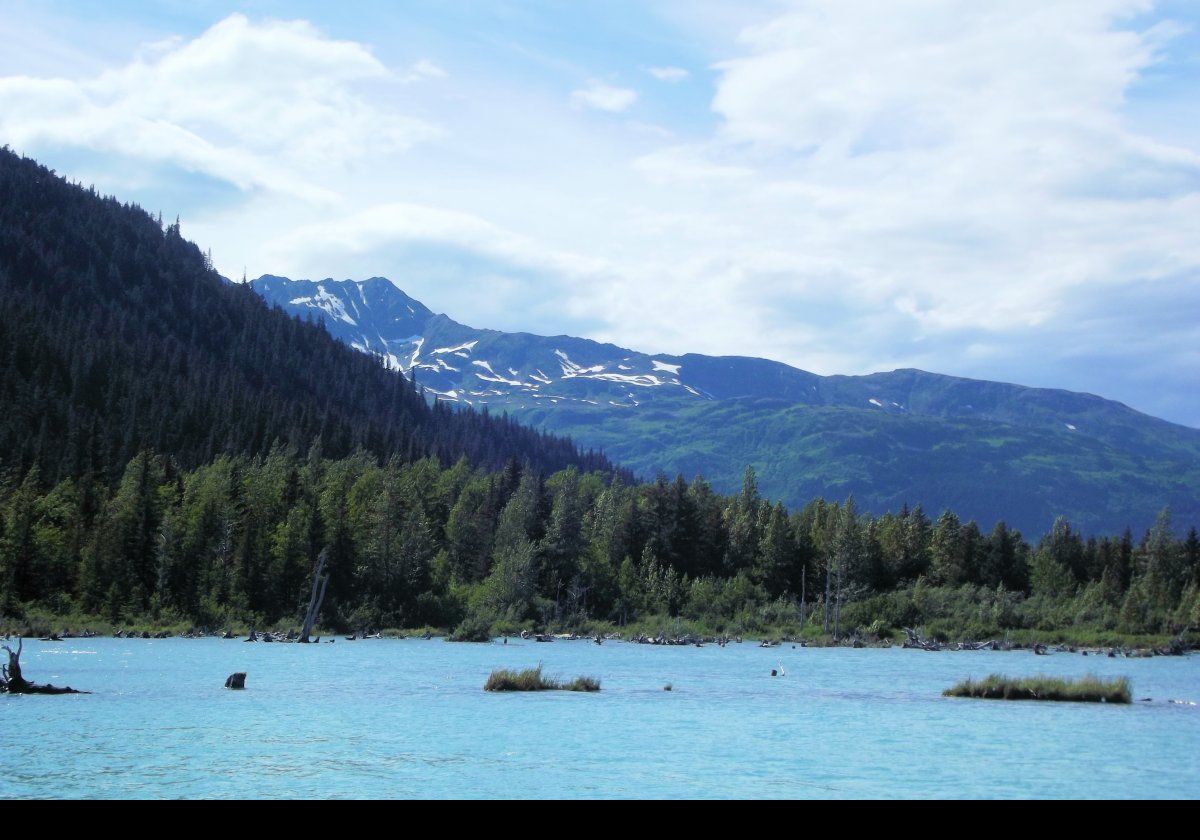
(473, 628)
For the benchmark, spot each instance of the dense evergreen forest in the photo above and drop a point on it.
(116, 335)
(413, 545)
(174, 452)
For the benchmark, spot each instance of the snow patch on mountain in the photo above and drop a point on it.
(570, 369)
(327, 302)
(416, 354)
(495, 377)
(460, 349)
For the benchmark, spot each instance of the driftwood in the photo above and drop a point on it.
(979, 646)
(320, 584)
(12, 681)
(917, 642)
(1177, 647)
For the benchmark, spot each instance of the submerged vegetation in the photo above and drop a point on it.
(532, 679)
(1088, 689)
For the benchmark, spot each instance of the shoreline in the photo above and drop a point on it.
(1165, 647)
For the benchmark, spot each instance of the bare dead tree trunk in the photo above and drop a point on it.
(837, 612)
(828, 590)
(11, 673)
(803, 598)
(316, 598)
(12, 681)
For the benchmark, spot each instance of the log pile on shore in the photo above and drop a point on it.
(685, 641)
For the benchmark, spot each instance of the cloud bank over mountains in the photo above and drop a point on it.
(981, 188)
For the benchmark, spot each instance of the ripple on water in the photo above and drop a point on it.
(393, 719)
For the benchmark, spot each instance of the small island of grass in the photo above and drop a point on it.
(532, 679)
(1054, 689)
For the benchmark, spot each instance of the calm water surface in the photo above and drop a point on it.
(409, 719)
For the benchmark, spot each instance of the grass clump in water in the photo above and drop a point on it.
(532, 679)
(588, 684)
(1088, 689)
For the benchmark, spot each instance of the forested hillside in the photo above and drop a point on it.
(412, 545)
(173, 451)
(116, 335)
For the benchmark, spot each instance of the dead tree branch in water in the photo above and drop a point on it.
(12, 681)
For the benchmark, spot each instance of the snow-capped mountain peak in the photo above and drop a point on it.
(475, 367)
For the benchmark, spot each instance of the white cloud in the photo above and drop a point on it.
(424, 70)
(956, 184)
(260, 105)
(603, 97)
(382, 225)
(963, 164)
(689, 164)
(671, 75)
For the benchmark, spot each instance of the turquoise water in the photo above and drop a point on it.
(409, 719)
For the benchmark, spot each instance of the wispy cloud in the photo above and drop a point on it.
(668, 74)
(424, 70)
(603, 97)
(968, 169)
(261, 105)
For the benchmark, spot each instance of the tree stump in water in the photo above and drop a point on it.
(12, 681)
(236, 682)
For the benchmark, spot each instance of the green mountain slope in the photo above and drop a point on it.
(988, 450)
(982, 469)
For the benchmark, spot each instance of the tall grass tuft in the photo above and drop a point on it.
(1090, 689)
(587, 684)
(532, 679)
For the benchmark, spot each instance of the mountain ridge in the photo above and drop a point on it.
(116, 337)
(992, 450)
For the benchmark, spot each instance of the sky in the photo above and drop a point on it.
(998, 189)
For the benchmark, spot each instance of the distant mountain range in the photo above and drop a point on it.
(987, 450)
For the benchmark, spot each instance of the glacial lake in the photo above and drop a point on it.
(409, 719)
